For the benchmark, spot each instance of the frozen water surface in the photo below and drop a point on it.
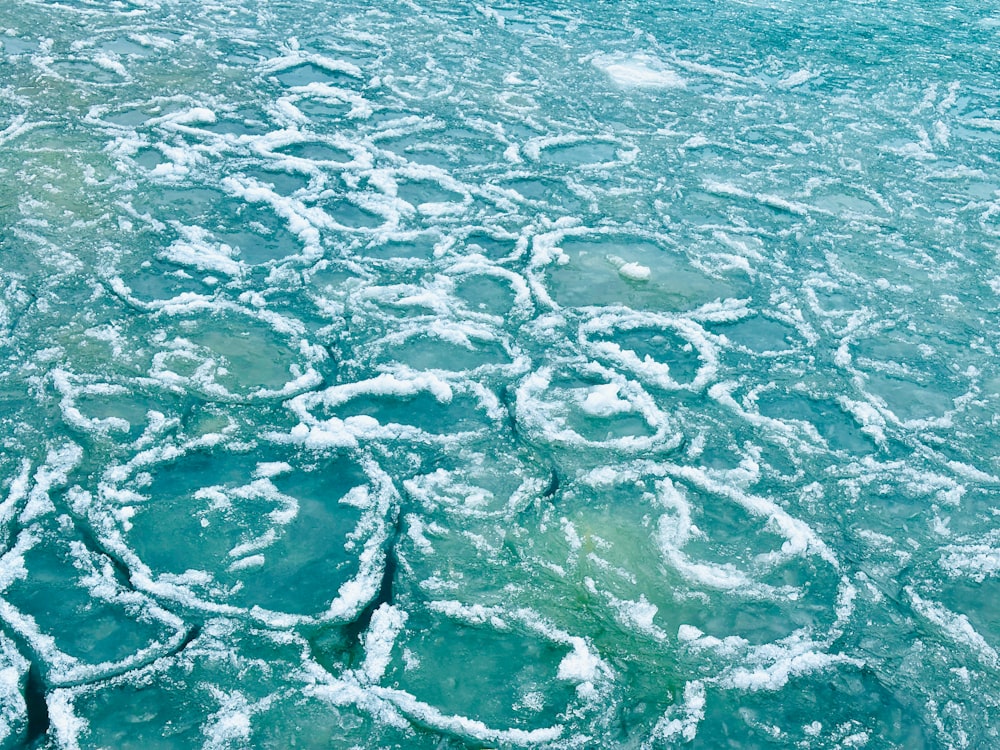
(558, 375)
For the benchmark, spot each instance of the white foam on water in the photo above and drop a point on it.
(17, 491)
(464, 726)
(580, 665)
(637, 615)
(769, 666)
(603, 401)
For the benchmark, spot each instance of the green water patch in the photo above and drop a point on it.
(315, 151)
(550, 191)
(825, 416)
(417, 192)
(598, 273)
(578, 154)
(421, 409)
(432, 353)
(501, 676)
(485, 293)
(306, 73)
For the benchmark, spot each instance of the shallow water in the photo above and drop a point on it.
(563, 375)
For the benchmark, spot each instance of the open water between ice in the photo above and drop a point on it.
(446, 375)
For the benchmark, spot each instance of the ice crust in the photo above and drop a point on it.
(502, 375)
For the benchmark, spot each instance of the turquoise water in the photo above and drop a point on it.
(441, 375)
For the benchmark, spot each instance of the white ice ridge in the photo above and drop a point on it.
(680, 720)
(197, 249)
(59, 462)
(769, 666)
(955, 627)
(637, 70)
(13, 673)
(333, 432)
(977, 561)
(293, 56)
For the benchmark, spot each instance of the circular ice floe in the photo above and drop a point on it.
(487, 288)
(580, 151)
(237, 354)
(447, 348)
(591, 406)
(782, 537)
(531, 669)
(429, 191)
(405, 406)
(282, 541)
(312, 152)
(94, 623)
(654, 370)
(72, 391)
